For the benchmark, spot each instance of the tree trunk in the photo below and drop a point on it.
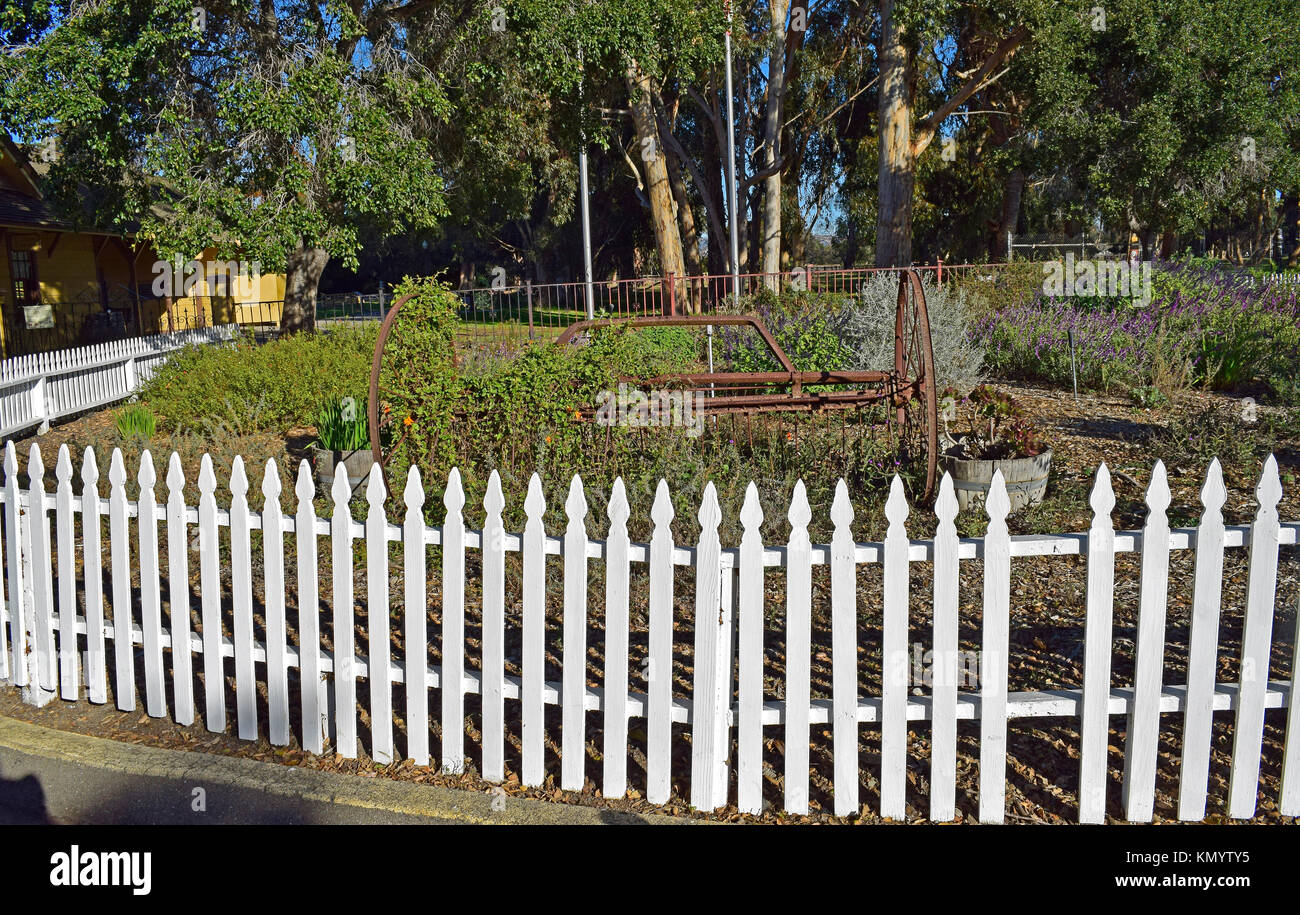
(897, 168)
(685, 219)
(776, 67)
(713, 194)
(658, 188)
(1291, 229)
(1012, 190)
(851, 243)
(302, 279)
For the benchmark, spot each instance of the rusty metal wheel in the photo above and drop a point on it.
(916, 397)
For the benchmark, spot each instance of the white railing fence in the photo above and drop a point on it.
(37, 389)
(58, 642)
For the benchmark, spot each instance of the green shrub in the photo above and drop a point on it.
(136, 421)
(276, 386)
(341, 424)
(418, 383)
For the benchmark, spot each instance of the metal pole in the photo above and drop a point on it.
(731, 190)
(731, 172)
(586, 219)
(1074, 375)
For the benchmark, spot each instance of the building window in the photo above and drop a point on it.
(22, 269)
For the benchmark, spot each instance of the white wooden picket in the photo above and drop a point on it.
(727, 706)
(39, 388)
(749, 731)
(659, 670)
(1207, 591)
(1094, 729)
(1256, 643)
(995, 647)
(494, 632)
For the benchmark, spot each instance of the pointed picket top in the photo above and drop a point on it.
(341, 491)
(63, 466)
(494, 501)
(1213, 492)
(662, 512)
(710, 514)
(36, 466)
(11, 459)
(800, 513)
(207, 478)
(945, 506)
(376, 491)
(413, 495)
(997, 504)
(453, 499)
(238, 478)
(751, 513)
(575, 506)
(1158, 496)
(1102, 498)
(175, 475)
(618, 508)
(89, 468)
(841, 507)
(1269, 489)
(304, 489)
(535, 502)
(896, 510)
(147, 476)
(271, 482)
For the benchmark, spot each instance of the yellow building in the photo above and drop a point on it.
(63, 286)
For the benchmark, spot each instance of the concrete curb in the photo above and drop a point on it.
(72, 769)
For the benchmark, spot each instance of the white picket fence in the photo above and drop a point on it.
(37, 389)
(56, 642)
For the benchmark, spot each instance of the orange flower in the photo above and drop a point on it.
(548, 439)
(408, 421)
(789, 436)
(577, 414)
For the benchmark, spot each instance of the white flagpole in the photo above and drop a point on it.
(586, 219)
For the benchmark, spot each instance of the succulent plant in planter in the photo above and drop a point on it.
(342, 435)
(992, 433)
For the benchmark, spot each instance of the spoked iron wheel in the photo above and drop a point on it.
(916, 397)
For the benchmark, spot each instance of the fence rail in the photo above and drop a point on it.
(37, 389)
(528, 311)
(57, 644)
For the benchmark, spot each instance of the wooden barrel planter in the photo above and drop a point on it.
(1026, 479)
(356, 463)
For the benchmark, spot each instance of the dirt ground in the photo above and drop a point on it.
(1046, 639)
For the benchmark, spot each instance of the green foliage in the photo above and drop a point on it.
(996, 427)
(259, 129)
(419, 388)
(341, 424)
(136, 421)
(803, 323)
(275, 386)
(1149, 397)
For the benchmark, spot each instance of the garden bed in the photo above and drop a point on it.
(1047, 615)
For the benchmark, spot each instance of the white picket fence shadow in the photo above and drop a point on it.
(50, 638)
(39, 388)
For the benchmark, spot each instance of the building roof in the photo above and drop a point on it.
(20, 210)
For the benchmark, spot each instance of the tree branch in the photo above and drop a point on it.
(1006, 47)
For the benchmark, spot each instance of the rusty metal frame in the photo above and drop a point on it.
(912, 378)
